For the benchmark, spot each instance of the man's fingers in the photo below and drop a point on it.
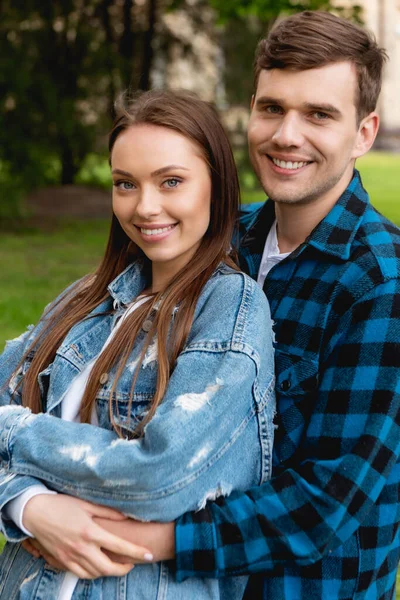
(29, 547)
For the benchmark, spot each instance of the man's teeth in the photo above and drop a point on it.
(283, 164)
(156, 231)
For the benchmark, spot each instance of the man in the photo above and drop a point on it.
(326, 526)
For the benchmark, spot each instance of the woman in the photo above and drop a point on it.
(167, 348)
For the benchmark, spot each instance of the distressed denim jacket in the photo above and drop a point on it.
(211, 435)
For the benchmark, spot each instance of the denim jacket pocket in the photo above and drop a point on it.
(123, 417)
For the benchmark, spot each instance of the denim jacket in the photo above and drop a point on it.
(211, 435)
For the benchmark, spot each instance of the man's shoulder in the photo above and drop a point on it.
(380, 240)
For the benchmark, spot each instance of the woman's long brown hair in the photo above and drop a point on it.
(198, 121)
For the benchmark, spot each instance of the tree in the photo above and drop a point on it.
(61, 63)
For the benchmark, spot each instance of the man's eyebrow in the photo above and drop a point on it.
(328, 108)
(268, 100)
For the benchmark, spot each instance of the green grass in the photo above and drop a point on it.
(37, 265)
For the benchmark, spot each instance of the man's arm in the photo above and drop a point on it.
(352, 445)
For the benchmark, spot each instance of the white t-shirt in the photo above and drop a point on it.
(271, 255)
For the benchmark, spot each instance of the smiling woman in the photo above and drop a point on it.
(160, 392)
(165, 211)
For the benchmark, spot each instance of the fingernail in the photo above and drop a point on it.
(148, 556)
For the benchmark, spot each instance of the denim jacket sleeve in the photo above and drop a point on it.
(217, 410)
(12, 483)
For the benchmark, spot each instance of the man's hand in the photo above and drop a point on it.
(69, 536)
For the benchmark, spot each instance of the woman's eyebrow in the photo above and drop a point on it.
(120, 172)
(168, 168)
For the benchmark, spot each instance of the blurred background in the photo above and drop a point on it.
(62, 64)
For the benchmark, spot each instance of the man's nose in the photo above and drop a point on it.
(149, 203)
(289, 132)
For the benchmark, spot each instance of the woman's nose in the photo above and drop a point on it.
(149, 203)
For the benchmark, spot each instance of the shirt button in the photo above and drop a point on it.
(147, 325)
(285, 385)
(103, 378)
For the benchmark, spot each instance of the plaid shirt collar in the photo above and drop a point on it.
(334, 235)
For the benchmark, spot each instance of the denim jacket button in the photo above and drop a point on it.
(147, 324)
(103, 378)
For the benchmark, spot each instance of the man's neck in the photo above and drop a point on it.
(295, 223)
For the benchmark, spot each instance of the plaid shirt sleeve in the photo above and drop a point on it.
(353, 444)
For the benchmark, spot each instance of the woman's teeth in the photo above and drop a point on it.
(156, 231)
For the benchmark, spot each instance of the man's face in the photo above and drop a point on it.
(303, 134)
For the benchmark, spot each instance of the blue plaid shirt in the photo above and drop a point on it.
(326, 526)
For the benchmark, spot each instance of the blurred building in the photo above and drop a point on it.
(382, 17)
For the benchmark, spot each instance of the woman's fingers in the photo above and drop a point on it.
(117, 545)
(96, 510)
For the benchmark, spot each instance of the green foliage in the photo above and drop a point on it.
(268, 10)
(61, 64)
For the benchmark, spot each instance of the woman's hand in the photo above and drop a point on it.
(65, 528)
(158, 537)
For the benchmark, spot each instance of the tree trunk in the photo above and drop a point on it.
(68, 168)
(126, 45)
(148, 53)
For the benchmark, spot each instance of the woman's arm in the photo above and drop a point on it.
(212, 399)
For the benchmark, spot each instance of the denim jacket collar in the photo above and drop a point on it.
(128, 284)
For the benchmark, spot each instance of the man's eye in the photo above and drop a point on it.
(172, 182)
(124, 185)
(273, 109)
(320, 116)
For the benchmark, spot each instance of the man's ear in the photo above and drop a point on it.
(366, 134)
(252, 102)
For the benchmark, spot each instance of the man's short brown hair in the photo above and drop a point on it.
(312, 39)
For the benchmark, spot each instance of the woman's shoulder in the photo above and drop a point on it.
(231, 308)
(236, 286)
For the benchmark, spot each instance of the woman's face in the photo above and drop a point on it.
(161, 194)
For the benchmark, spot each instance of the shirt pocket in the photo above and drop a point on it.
(296, 390)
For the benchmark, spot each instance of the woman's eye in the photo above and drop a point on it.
(172, 182)
(124, 185)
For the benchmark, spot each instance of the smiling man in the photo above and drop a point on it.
(326, 526)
